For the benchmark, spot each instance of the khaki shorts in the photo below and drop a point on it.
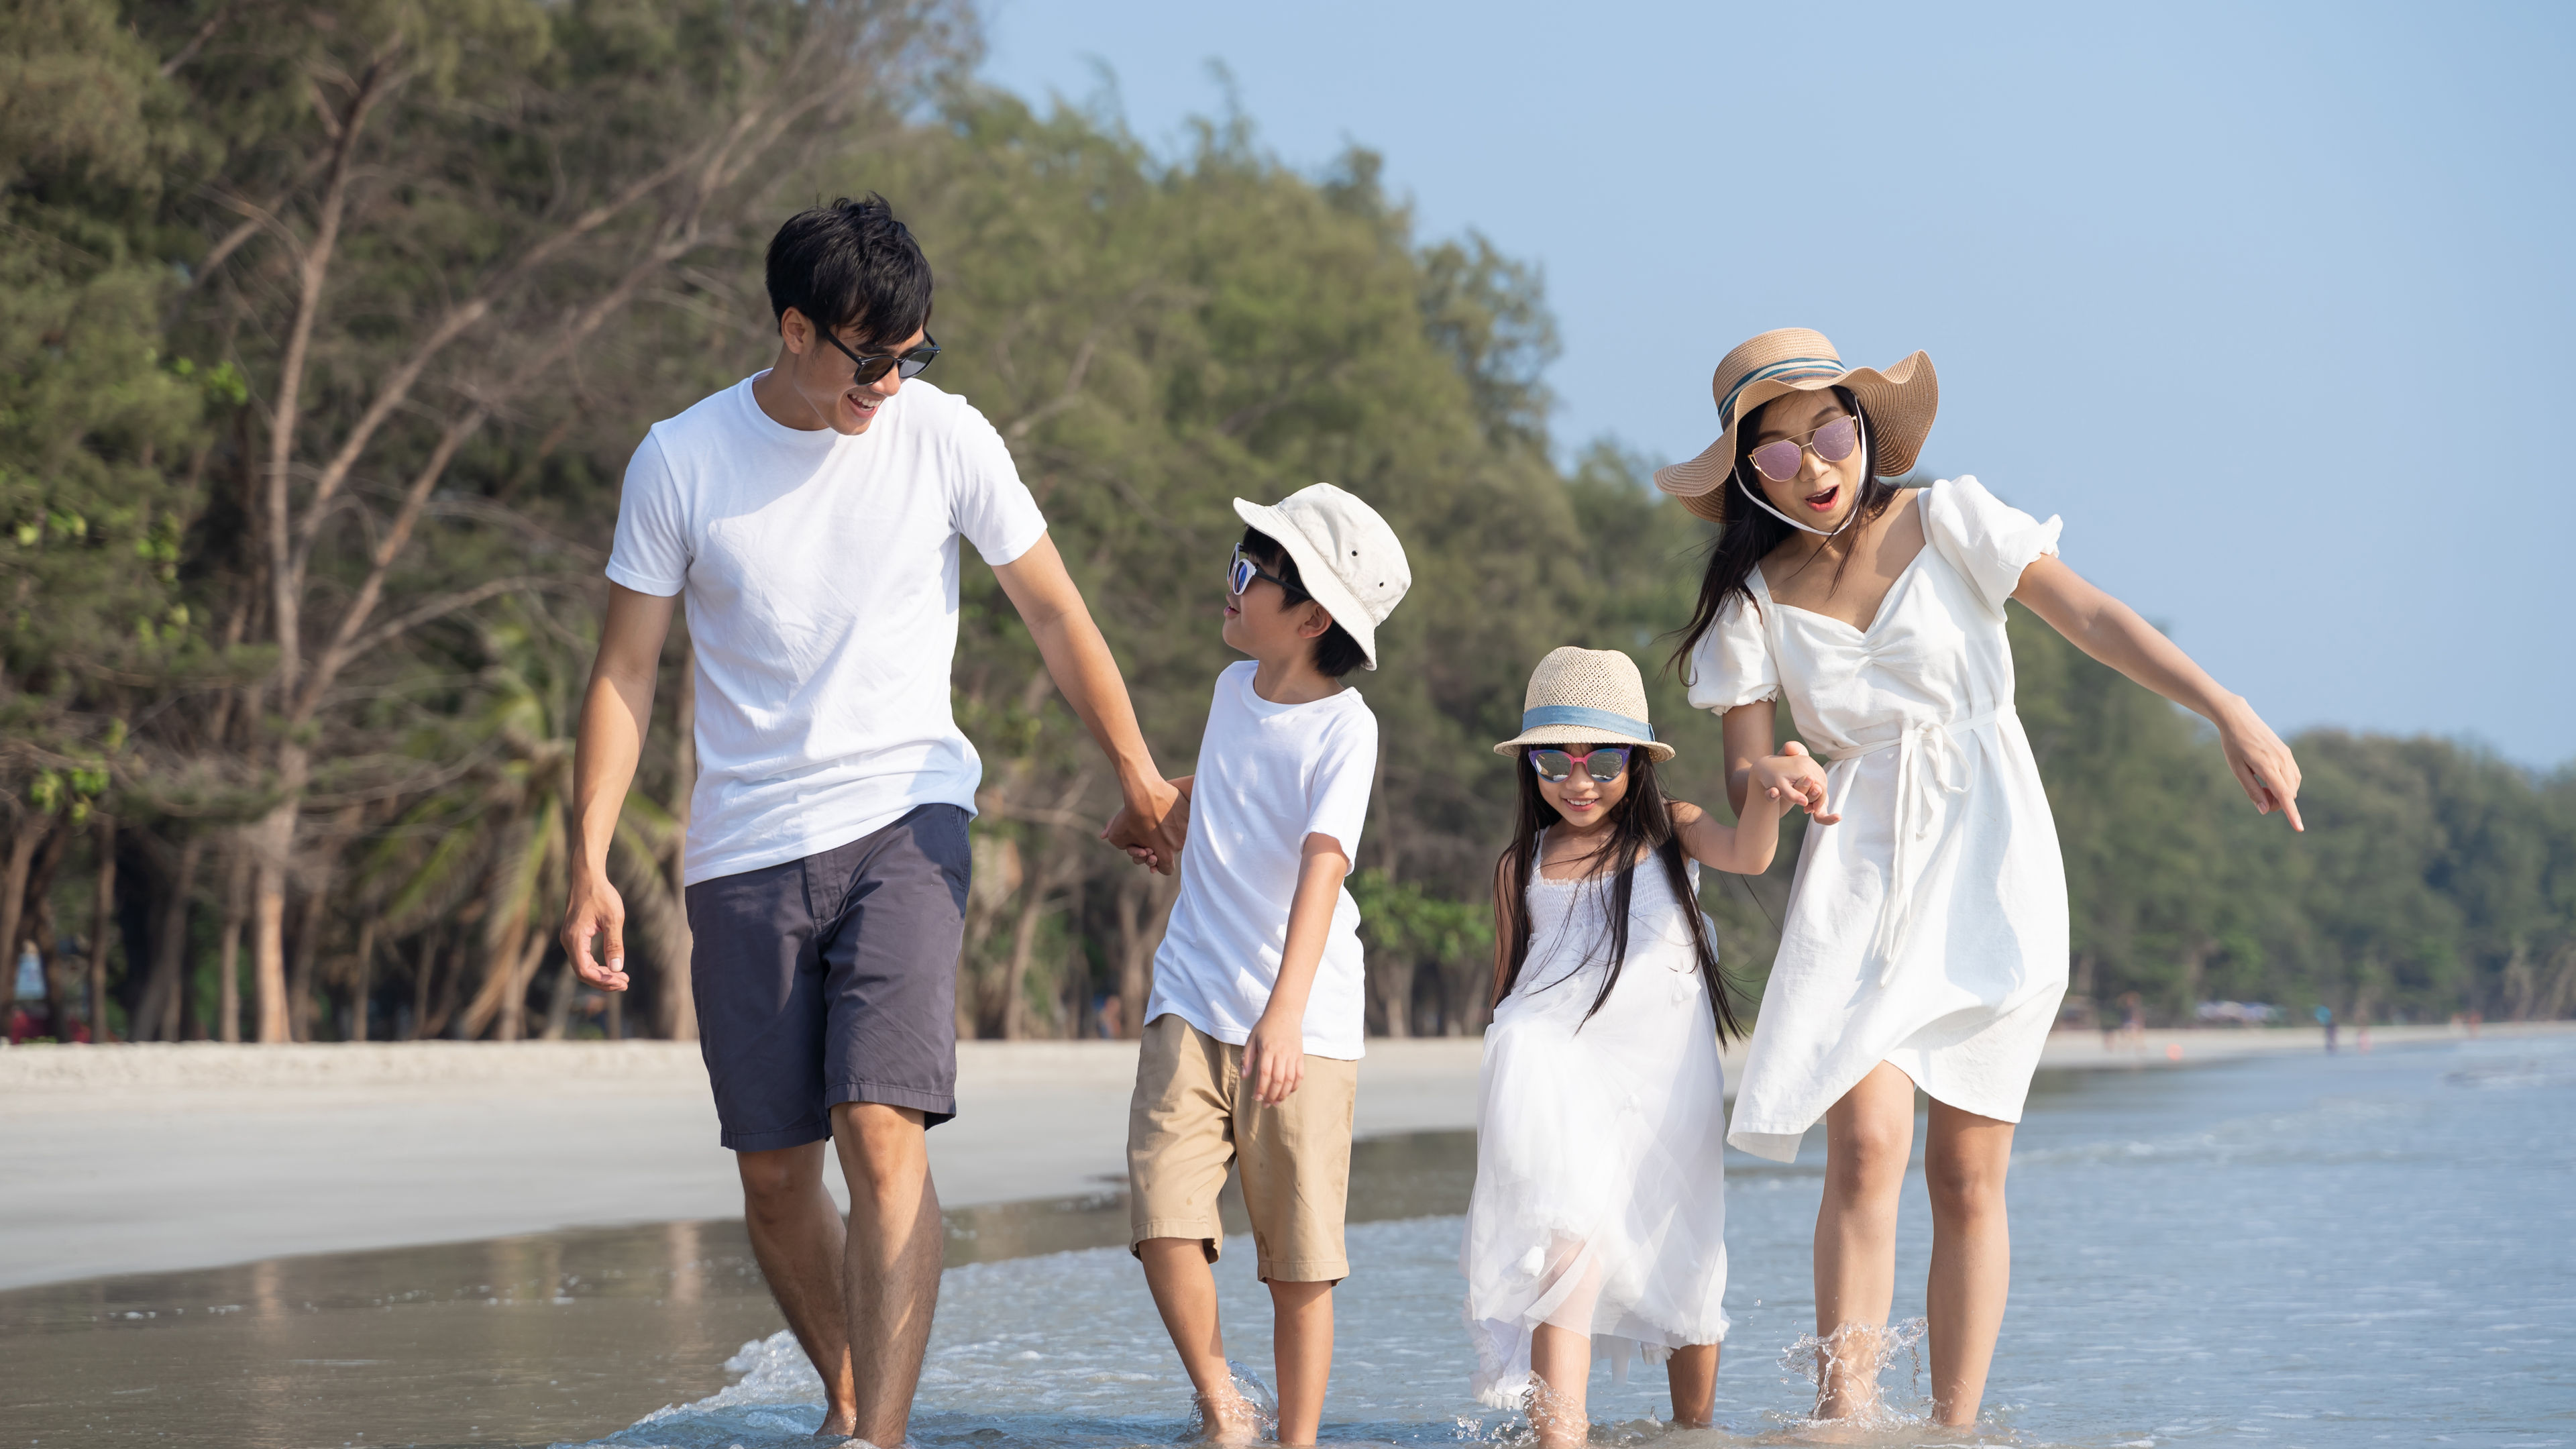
(1192, 1116)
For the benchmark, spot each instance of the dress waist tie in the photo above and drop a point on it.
(1929, 766)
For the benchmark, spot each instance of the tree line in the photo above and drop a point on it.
(325, 336)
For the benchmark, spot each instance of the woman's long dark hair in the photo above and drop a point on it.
(1641, 824)
(1751, 534)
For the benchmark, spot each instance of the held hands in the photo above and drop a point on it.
(596, 910)
(1793, 778)
(2263, 764)
(1274, 1057)
(1152, 826)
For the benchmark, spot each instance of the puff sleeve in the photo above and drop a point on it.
(1986, 539)
(1731, 664)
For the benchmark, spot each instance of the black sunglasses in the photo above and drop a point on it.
(907, 364)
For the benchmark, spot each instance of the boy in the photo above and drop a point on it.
(1252, 1035)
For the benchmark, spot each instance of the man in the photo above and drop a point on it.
(811, 514)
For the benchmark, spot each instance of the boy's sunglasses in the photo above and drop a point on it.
(909, 364)
(1832, 441)
(1604, 765)
(1240, 571)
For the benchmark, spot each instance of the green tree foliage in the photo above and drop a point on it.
(326, 338)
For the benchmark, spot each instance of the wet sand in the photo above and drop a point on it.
(160, 1158)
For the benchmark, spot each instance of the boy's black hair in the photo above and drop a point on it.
(1336, 652)
(851, 264)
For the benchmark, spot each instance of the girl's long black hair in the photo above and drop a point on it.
(1751, 534)
(1641, 825)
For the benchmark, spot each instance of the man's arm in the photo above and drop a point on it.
(615, 713)
(1274, 1055)
(1085, 674)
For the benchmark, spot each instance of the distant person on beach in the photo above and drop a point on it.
(1253, 1031)
(1926, 940)
(811, 514)
(1599, 1213)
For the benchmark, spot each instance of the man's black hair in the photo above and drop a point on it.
(1336, 652)
(851, 264)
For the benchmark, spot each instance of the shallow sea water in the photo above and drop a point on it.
(2292, 1251)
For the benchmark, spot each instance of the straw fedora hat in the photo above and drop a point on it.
(1899, 404)
(1579, 696)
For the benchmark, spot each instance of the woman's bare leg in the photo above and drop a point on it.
(1693, 1373)
(1869, 1136)
(1562, 1360)
(1964, 1160)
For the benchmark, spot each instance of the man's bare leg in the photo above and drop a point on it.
(1693, 1374)
(796, 1236)
(891, 1265)
(1176, 1273)
(1302, 1347)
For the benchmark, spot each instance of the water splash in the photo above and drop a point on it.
(1863, 1352)
(1256, 1396)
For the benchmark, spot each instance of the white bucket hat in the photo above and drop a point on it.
(1580, 696)
(1347, 558)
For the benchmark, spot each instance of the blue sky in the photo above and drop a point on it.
(2273, 304)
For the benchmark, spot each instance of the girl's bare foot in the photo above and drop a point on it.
(1225, 1417)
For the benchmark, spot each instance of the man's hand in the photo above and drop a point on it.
(1153, 829)
(596, 910)
(1274, 1058)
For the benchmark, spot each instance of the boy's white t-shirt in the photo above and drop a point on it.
(1268, 776)
(821, 573)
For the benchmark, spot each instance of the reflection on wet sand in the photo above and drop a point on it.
(525, 1339)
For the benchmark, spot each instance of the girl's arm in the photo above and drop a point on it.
(1746, 847)
(2112, 632)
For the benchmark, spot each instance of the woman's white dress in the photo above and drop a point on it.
(1928, 928)
(1600, 1200)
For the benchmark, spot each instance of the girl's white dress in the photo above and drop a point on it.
(1600, 1201)
(1928, 928)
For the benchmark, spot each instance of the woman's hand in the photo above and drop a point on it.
(1793, 778)
(2263, 765)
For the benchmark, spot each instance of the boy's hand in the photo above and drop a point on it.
(1793, 778)
(1274, 1058)
(1154, 843)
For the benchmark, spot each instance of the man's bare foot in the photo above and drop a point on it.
(1226, 1418)
(839, 1424)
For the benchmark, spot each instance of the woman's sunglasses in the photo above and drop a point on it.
(1832, 441)
(909, 364)
(1240, 571)
(1604, 765)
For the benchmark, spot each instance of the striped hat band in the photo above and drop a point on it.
(1787, 369)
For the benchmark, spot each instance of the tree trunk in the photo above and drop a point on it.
(158, 1016)
(420, 983)
(102, 916)
(30, 833)
(303, 966)
(364, 987)
(272, 842)
(1056, 869)
(228, 953)
(1144, 911)
(675, 1004)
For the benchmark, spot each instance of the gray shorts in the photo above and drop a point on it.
(833, 979)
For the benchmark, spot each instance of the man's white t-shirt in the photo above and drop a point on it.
(821, 573)
(1268, 776)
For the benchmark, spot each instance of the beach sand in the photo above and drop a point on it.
(149, 1158)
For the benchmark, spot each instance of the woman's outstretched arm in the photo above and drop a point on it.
(2113, 633)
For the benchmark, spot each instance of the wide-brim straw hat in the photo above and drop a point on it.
(1586, 696)
(1348, 558)
(1898, 403)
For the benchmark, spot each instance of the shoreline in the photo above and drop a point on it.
(165, 1157)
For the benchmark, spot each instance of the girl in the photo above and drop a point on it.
(1600, 1195)
(1926, 942)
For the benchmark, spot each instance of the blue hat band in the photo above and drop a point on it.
(1793, 368)
(1576, 716)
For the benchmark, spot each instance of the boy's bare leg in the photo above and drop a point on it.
(796, 1237)
(1964, 1159)
(1176, 1272)
(1869, 1135)
(1303, 1342)
(1693, 1372)
(1562, 1361)
(891, 1282)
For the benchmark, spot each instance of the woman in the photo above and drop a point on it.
(1926, 940)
